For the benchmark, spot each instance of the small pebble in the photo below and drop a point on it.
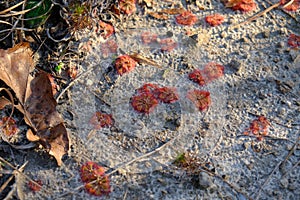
(205, 181)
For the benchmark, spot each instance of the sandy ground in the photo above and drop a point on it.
(262, 77)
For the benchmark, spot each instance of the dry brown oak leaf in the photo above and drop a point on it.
(36, 100)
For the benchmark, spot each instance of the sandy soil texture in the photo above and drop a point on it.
(261, 78)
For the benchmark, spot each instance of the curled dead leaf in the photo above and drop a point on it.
(35, 98)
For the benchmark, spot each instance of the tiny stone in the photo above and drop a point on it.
(235, 65)
(284, 182)
(280, 44)
(266, 34)
(223, 34)
(205, 180)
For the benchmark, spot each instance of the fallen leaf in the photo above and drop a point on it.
(41, 115)
(15, 66)
(36, 100)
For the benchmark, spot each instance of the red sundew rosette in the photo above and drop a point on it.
(148, 37)
(127, 6)
(197, 77)
(212, 71)
(96, 182)
(200, 98)
(124, 64)
(215, 19)
(166, 94)
(144, 102)
(186, 18)
(148, 87)
(292, 7)
(109, 47)
(106, 29)
(167, 44)
(294, 41)
(35, 187)
(10, 127)
(242, 5)
(258, 127)
(100, 120)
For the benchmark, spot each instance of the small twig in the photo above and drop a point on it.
(255, 16)
(143, 156)
(216, 145)
(16, 170)
(276, 167)
(6, 183)
(292, 168)
(126, 164)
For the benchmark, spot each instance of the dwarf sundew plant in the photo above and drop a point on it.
(166, 94)
(105, 29)
(168, 44)
(35, 187)
(124, 64)
(215, 19)
(127, 6)
(200, 98)
(148, 87)
(258, 127)
(72, 72)
(96, 182)
(149, 95)
(294, 41)
(186, 18)
(8, 126)
(144, 102)
(148, 37)
(197, 77)
(242, 5)
(100, 120)
(210, 72)
(188, 162)
(109, 47)
(294, 6)
(213, 71)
